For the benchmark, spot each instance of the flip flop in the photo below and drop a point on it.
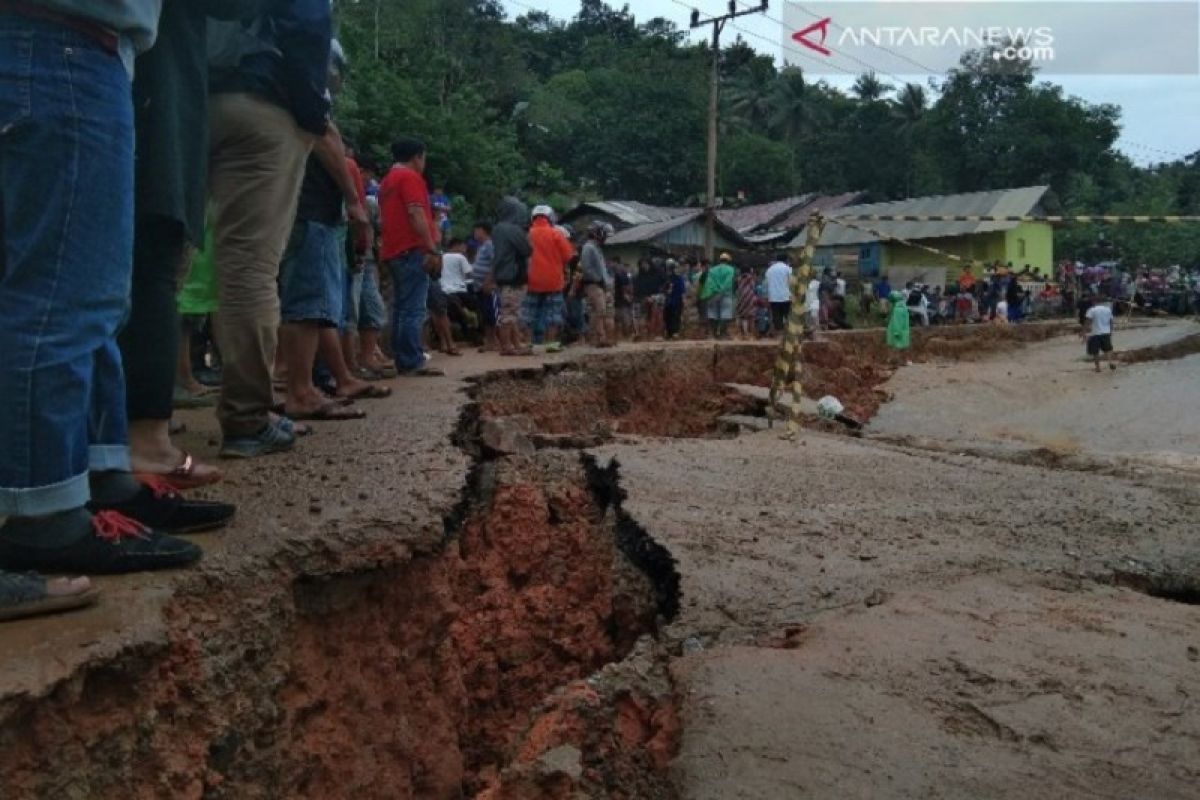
(370, 392)
(423, 372)
(333, 412)
(183, 477)
(368, 374)
(27, 595)
(280, 409)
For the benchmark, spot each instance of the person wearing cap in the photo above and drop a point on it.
(718, 294)
(542, 308)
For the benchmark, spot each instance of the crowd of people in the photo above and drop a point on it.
(240, 261)
(227, 107)
(250, 259)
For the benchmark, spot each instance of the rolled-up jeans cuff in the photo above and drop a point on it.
(41, 500)
(109, 458)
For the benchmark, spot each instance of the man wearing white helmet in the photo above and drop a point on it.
(552, 251)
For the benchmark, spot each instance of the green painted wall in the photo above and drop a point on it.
(1029, 243)
(1036, 241)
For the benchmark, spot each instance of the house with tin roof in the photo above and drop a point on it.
(886, 251)
(644, 229)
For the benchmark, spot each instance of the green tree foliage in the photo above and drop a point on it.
(606, 104)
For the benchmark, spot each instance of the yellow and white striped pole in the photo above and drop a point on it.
(789, 364)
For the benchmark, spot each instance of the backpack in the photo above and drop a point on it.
(915, 297)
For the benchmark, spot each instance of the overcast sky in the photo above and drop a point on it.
(1161, 115)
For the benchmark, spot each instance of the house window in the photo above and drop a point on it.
(1020, 248)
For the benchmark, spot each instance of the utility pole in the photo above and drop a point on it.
(718, 25)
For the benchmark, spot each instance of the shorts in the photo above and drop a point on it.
(364, 307)
(489, 306)
(312, 276)
(512, 300)
(1099, 344)
(436, 302)
(780, 313)
(372, 310)
(720, 308)
(541, 311)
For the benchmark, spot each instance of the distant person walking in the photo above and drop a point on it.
(1099, 338)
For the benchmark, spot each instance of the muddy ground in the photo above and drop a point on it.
(573, 580)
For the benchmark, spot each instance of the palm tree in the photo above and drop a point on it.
(868, 88)
(909, 107)
(749, 93)
(789, 104)
(908, 111)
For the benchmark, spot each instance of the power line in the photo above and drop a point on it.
(718, 24)
(884, 48)
(772, 42)
(869, 67)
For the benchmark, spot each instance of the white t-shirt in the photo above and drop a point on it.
(812, 298)
(455, 270)
(840, 291)
(779, 275)
(1102, 319)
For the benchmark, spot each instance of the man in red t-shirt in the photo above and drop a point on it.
(410, 241)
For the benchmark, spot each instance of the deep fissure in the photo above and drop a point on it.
(1172, 586)
(556, 582)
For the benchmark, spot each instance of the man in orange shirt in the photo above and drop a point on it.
(544, 303)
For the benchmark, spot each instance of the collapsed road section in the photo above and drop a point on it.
(399, 618)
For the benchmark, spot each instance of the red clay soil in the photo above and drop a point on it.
(395, 684)
(349, 687)
(675, 393)
(681, 393)
(545, 599)
(596, 742)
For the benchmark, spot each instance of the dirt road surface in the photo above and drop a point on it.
(565, 578)
(863, 619)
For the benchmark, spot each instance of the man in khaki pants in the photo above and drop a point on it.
(269, 102)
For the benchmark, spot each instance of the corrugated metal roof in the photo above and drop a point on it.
(747, 218)
(651, 230)
(1003, 202)
(825, 203)
(640, 234)
(631, 212)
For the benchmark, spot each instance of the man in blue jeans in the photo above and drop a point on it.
(66, 246)
(410, 244)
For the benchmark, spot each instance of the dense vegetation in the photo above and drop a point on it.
(605, 105)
